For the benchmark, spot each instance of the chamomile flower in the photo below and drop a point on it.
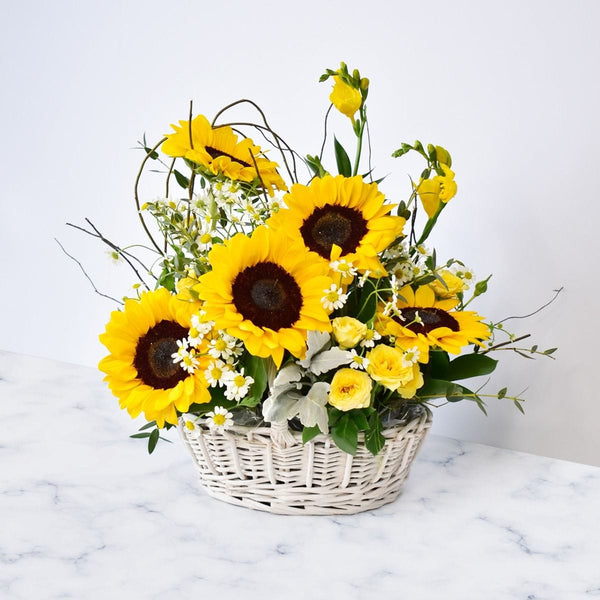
(219, 419)
(369, 339)
(191, 423)
(185, 357)
(334, 298)
(224, 347)
(237, 384)
(199, 329)
(411, 357)
(216, 373)
(466, 274)
(204, 242)
(358, 361)
(344, 267)
(363, 278)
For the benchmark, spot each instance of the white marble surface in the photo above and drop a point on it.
(85, 513)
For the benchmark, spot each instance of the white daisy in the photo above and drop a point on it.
(237, 385)
(191, 423)
(334, 298)
(358, 361)
(185, 357)
(411, 357)
(216, 373)
(219, 419)
(371, 336)
(225, 346)
(346, 268)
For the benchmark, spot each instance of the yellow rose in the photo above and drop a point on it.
(453, 283)
(345, 98)
(350, 389)
(348, 331)
(386, 366)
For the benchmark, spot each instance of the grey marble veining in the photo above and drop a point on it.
(85, 513)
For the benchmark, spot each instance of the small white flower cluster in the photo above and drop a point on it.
(467, 275)
(218, 419)
(334, 298)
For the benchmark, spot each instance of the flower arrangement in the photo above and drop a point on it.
(313, 302)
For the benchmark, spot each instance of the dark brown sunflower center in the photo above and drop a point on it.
(431, 318)
(330, 225)
(153, 360)
(214, 153)
(267, 295)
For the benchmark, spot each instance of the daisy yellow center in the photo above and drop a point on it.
(220, 345)
(428, 319)
(267, 295)
(216, 373)
(239, 380)
(205, 238)
(332, 295)
(214, 154)
(219, 419)
(153, 355)
(331, 225)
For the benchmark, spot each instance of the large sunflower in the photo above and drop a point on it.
(217, 149)
(267, 292)
(424, 321)
(139, 369)
(341, 211)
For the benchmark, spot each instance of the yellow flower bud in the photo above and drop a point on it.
(348, 331)
(350, 389)
(345, 98)
(387, 367)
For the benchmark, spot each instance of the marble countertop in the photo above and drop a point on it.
(85, 513)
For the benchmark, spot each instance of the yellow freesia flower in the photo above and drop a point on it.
(350, 389)
(345, 98)
(441, 188)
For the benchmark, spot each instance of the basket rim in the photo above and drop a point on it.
(251, 432)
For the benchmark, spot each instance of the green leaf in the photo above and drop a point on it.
(140, 435)
(147, 426)
(550, 351)
(345, 434)
(439, 364)
(334, 415)
(533, 349)
(308, 433)
(471, 365)
(374, 441)
(518, 405)
(434, 388)
(502, 393)
(360, 419)
(182, 180)
(153, 440)
(367, 302)
(454, 393)
(255, 367)
(341, 158)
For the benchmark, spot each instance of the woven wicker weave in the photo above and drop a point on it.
(269, 469)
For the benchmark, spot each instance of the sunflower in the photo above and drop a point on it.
(422, 321)
(140, 370)
(217, 150)
(342, 212)
(266, 291)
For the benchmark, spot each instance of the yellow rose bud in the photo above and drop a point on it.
(348, 331)
(387, 368)
(453, 283)
(350, 389)
(345, 98)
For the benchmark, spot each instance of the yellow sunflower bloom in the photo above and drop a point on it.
(267, 292)
(425, 322)
(218, 150)
(342, 212)
(140, 370)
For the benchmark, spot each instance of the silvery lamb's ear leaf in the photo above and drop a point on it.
(330, 359)
(286, 376)
(280, 408)
(316, 342)
(311, 408)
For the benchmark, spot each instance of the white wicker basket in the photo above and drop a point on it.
(269, 469)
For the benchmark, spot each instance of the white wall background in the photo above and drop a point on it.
(511, 88)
